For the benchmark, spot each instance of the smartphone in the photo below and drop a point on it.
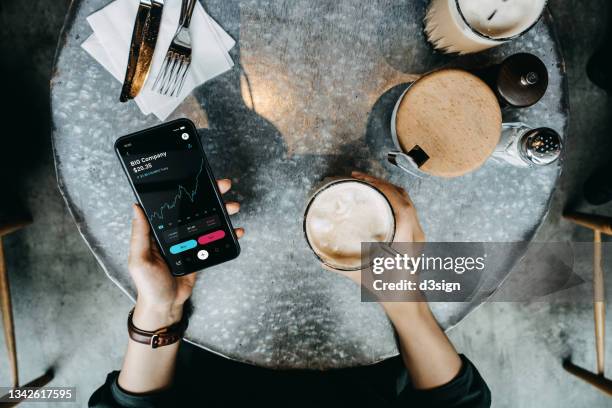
(172, 181)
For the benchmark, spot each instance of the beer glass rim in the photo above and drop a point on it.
(325, 187)
(498, 39)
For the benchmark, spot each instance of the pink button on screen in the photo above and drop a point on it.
(213, 236)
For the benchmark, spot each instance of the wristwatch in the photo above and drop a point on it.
(160, 337)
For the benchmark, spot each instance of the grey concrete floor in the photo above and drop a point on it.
(70, 316)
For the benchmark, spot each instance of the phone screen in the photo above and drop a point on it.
(171, 178)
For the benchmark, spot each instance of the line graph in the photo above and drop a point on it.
(179, 196)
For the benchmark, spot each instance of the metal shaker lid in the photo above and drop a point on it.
(540, 146)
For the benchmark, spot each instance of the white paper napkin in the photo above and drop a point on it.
(110, 43)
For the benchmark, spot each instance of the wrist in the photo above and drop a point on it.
(406, 312)
(151, 317)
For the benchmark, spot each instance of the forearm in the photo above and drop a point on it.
(146, 369)
(430, 358)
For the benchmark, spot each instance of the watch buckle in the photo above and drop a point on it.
(154, 339)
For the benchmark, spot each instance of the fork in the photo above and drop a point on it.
(171, 76)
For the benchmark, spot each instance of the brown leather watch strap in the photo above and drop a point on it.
(158, 338)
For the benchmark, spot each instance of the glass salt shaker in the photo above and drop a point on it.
(524, 146)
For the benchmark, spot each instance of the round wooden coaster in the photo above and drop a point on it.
(453, 117)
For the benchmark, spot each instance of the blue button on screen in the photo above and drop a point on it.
(183, 246)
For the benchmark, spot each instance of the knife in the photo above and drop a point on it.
(142, 47)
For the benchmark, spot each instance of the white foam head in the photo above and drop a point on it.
(501, 18)
(343, 215)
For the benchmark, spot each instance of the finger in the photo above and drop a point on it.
(155, 251)
(140, 242)
(224, 185)
(370, 179)
(239, 232)
(188, 280)
(185, 286)
(384, 186)
(405, 195)
(232, 207)
(362, 176)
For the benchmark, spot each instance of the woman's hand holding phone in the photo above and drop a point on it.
(161, 295)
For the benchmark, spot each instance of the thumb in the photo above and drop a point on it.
(140, 242)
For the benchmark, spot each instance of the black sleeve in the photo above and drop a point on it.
(467, 389)
(110, 395)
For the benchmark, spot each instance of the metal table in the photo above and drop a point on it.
(310, 96)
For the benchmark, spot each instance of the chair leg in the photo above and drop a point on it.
(596, 380)
(7, 318)
(10, 227)
(599, 223)
(36, 383)
(599, 306)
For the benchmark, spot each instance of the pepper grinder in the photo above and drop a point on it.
(519, 81)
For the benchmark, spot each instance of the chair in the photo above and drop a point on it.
(7, 315)
(600, 225)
